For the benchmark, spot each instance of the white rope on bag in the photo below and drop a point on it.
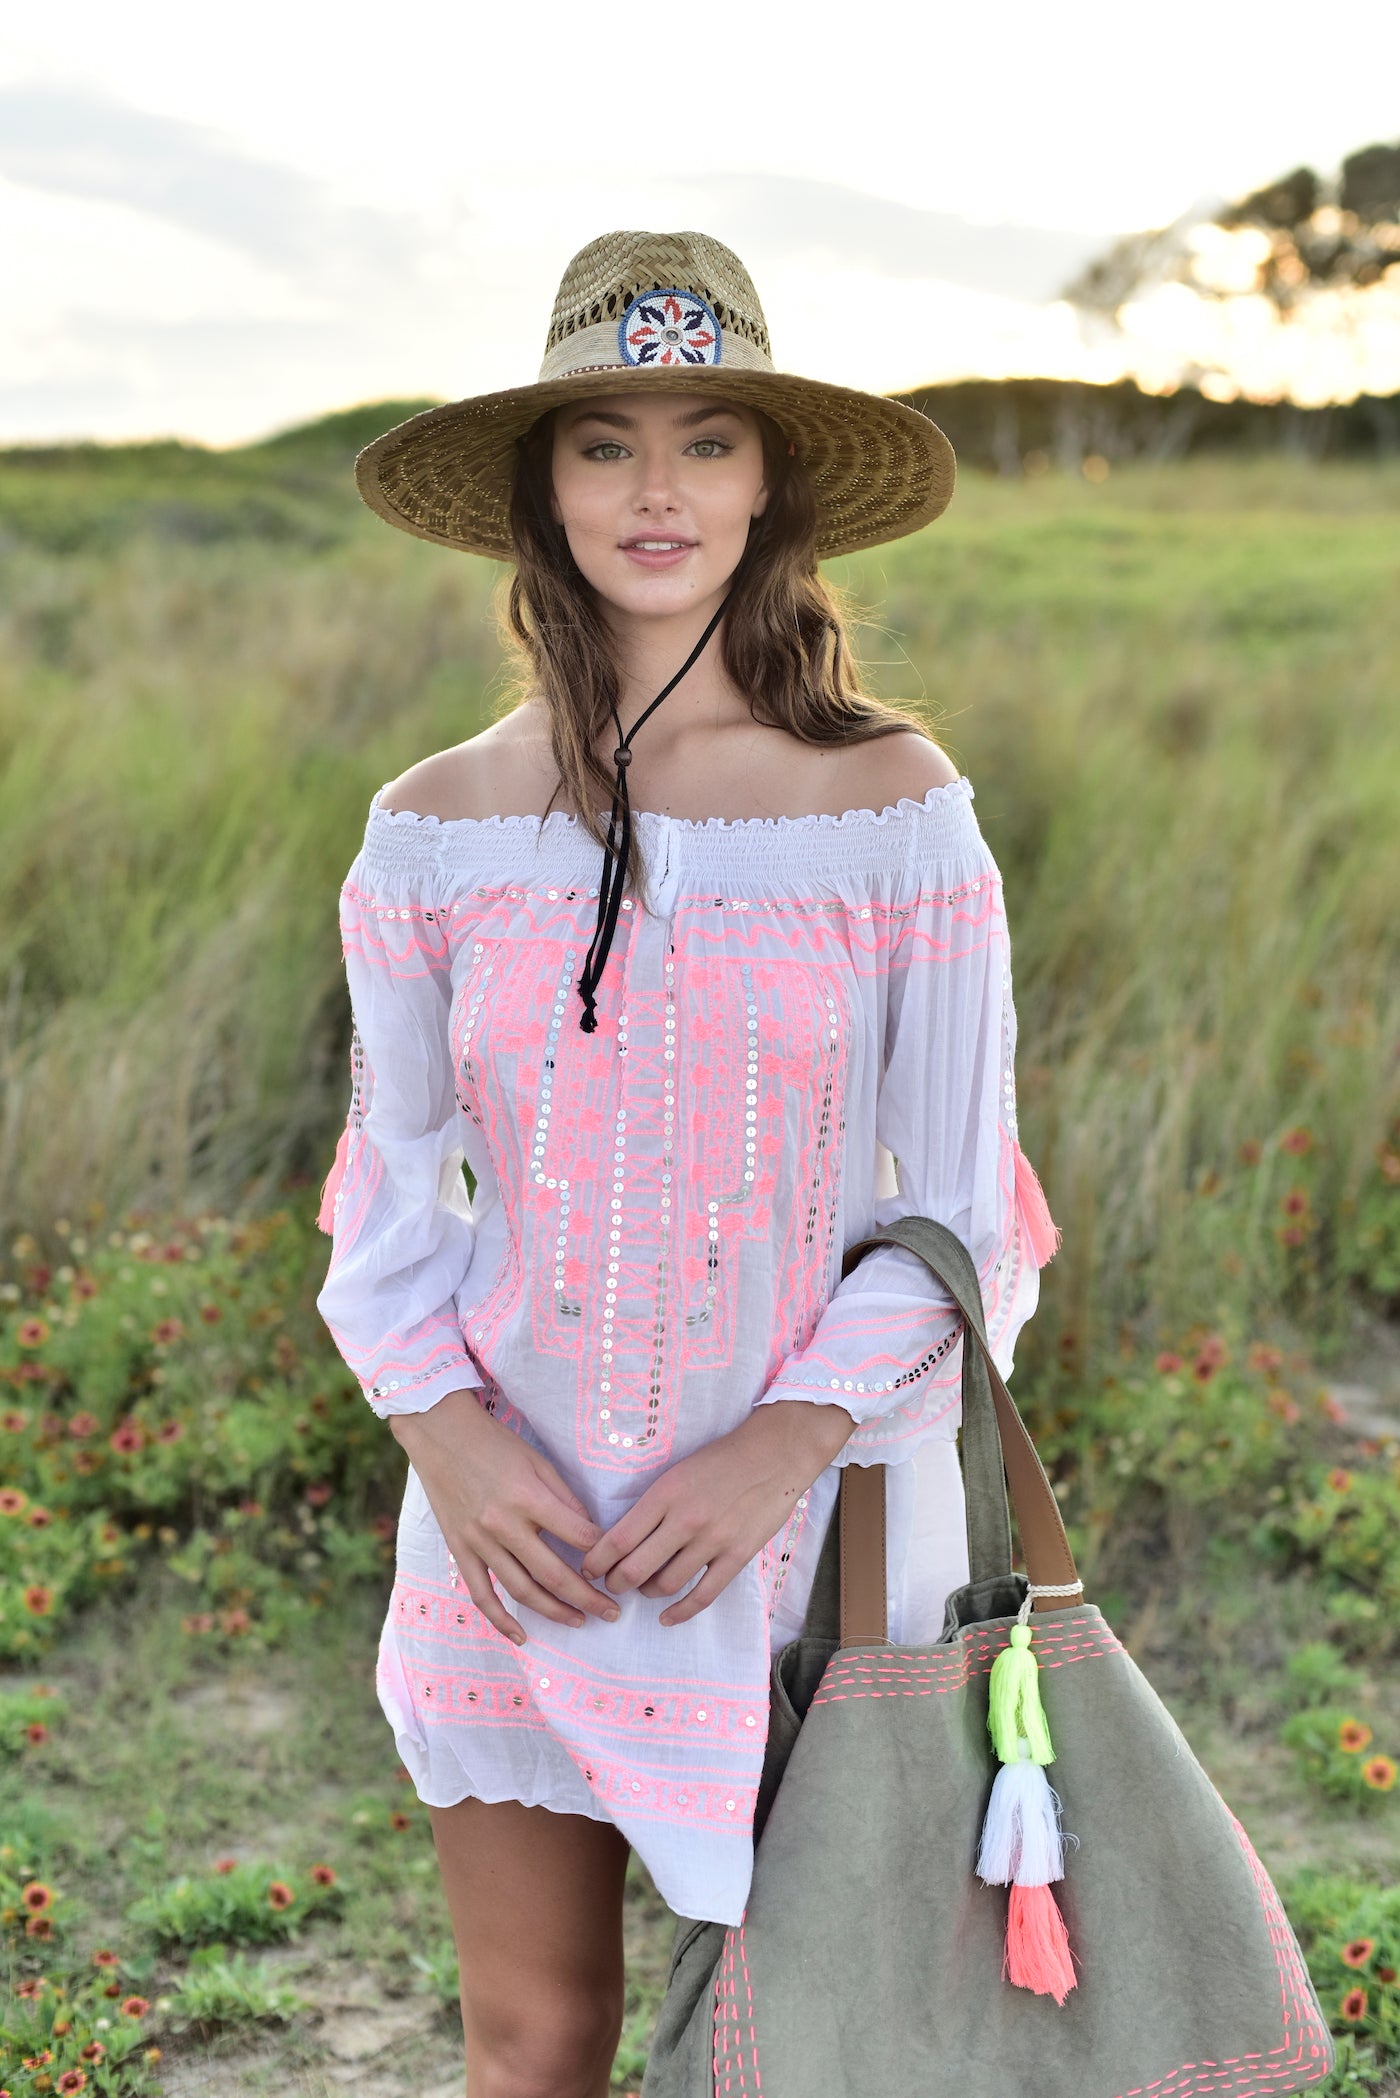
(1035, 1588)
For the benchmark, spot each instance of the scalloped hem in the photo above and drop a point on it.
(819, 820)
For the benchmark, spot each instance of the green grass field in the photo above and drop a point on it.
(1174, 693)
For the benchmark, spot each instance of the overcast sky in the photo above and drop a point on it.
(214, 222)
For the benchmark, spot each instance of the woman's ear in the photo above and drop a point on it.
(760, 501)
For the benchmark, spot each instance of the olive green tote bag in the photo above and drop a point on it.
(990, 1867)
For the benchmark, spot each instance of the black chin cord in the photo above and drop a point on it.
(619, 842)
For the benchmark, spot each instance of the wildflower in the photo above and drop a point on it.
(39, 2061)
(280, 1894)
(35, 1895)
(1205, 1366)
(1333, 1408)
(235, 1621)
(135, 2007)
(1262, 1357)
(152, 2055)
(225, 1864)
(318, 1495)
(1354, 2006)
(36, 1732)
(168, 1329)
(93, 2052)
(126, 1438)
(31, 1988)
(113, 1988)
(14, 1422)
(32, 1333)
(323, 1875)
(1388, 1159)
(1379, 1773)
(1250, 1152)
(39, 1927)
(1297, 1140)
(1281, 1403)
(210, 1313)
(38, 1518)
(383, 1526)
(1295, 1202)
(1353, 1735)
(84, 1286)
(170, 1431)
(38, 1600)
(62, 2027)
(1167, 1362)
(1339, 1479)
(105, 1959)
(72, 2080)
(85, 1462)
(12, 1500)
(201, 1621)
(83, 1424)
(1385, 1974)
(1357, 1952)
(399, 1821)
(250, 1508)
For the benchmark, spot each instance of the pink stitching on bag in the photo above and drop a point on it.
(728, 2047)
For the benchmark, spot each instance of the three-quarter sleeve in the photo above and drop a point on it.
(888, 1344)
(395, 1203)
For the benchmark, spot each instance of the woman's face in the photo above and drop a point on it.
(656, 492)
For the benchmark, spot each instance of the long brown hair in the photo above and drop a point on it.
(783, 635)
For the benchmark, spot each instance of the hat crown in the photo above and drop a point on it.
(602, 280)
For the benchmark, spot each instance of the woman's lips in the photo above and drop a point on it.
(658, 557)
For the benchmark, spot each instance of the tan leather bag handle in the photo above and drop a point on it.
(996, 1450)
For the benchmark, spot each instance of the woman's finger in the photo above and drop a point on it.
(676, 1574)
(721, 1572)
(559, 1487)
(472, 1568)
(641, 1566)
(562, 1520)
(522, 1587)
(554, 1574)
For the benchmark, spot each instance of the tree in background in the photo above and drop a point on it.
(1306, 244)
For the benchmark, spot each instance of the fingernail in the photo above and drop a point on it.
(612, 1615)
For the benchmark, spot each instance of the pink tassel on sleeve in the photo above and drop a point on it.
(325, 1215)
(1041, 1228)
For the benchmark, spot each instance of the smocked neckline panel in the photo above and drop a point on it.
(709, 826)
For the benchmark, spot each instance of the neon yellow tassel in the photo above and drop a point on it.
(1014, 1709)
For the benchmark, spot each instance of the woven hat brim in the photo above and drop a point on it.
(881, 469)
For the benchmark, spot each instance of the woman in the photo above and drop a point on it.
(625, 1375)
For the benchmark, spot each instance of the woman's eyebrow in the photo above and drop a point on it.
(616, 421)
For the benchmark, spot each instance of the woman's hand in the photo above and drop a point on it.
(719, 1507)
(492, 1495)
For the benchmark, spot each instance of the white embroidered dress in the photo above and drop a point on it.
(654, 1244)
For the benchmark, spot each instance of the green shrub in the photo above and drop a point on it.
(1350, 1932)
(220, 1990)
(236, 1904)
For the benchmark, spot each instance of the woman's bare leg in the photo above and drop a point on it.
(536, 1905)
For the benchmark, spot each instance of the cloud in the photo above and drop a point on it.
(792, 216)
(76, 143)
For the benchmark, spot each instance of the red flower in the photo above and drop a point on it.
(1167, 1362)
(14, 1422)
(36, 1732)
(318, 1495)
(32, 1333)
(170, 1431)
(1262, 1357)
(1358, 1952)
(1295, 1202)
(38, 1518)
(84, 1286)
(166, 1330)
(224, 1864)
(1284, 1406)
(93, 2052)
(1250, 1152)
(1385, 1974)
(399, 1821)
(1339, 1479)
(127, 1437)
(1379, 1773)
(280, 1895)
(72, 2080)
(36, 1895)
(235, 1621)
(12, 1500)
(135, 2007)
(1354, 2006)
(323, 1875)
(210, 1313)
(383, 1526)
(84, 1424)
(105, 1959)
(39, 1927)
(38, 1600)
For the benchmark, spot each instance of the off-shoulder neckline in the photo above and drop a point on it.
(848, 819)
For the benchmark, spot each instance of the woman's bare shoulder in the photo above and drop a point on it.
(506, 770)
(904, 763)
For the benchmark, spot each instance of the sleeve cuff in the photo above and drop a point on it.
(416, 1394)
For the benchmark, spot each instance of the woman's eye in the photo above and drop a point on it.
(608, 446)
(716, 447)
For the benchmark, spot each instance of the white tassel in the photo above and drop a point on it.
(1021, 1836)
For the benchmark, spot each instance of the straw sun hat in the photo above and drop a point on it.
(676, 311)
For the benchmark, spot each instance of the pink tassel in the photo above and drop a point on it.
(1041, 1228)
(325, 1215)
(1037, 1947)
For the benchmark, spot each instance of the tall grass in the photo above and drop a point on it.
(1174, 694)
